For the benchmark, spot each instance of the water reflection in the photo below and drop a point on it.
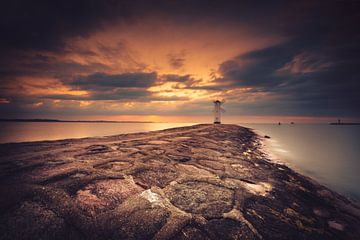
(37, 131)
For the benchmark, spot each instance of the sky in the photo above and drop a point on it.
(168, 60)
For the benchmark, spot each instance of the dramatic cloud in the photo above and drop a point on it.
(310, 84)
(125, 80)
(97, 57)
(176, 61)
(44, 25)
(177, 78)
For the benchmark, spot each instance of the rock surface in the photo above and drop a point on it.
(198, 182)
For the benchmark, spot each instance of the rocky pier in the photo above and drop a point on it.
(198, 182)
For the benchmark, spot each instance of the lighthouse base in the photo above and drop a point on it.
(217, 122)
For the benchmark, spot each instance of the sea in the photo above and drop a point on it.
(330, 154)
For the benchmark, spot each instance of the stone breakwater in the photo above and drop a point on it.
(198, 182)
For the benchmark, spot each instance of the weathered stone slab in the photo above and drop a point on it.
(197, 182)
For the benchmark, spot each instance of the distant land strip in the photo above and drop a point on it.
(345, 123)
(76, 121)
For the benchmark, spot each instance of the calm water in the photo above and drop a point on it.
(37, 131)
(330, 154)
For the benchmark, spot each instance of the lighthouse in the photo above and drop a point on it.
(217, 111)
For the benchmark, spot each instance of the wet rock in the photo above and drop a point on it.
(213, 164)
(179, 158)
(191, 233)
(194, 170)
(229, 229)
(336, 225)
(136, 218)
(158, 142)
(321, 212)
(115, 165)
(97, 149)
(206, 153)
(33, 221)
(155, 177)
(201, 198)
(141, 224)
(105, 194)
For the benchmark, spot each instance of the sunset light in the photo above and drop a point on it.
(179, 119)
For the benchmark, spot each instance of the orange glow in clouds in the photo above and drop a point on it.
(151, 46)
(39, 86)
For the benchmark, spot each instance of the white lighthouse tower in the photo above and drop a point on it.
(217, 111)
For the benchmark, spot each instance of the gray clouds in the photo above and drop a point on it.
(313, 70)
(125, 80)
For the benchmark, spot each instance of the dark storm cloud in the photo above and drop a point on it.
(177, 78)
(102, 86)
(126, 80)
(176, 61)
(126, 86)
(313, 83)
(43, 24)
(189, 82)
(116, 94)
(314, 71)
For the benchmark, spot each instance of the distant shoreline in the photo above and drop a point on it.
(344, 123)
(71, 121)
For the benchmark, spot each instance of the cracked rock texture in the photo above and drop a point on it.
(198, 182)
